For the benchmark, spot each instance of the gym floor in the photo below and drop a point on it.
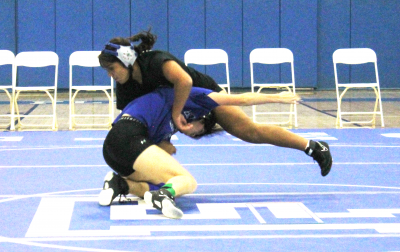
(250, 197)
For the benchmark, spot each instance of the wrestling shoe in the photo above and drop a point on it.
(319, 151)
(114, 185)
(163, 201)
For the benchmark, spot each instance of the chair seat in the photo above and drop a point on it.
(358, 85)
(273, 84)
(5, 87)
(36, 88)
(91, 88)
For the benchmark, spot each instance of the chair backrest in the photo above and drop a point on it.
(271, 55)
(36, 59)
(354, 56)
(85, 58)
(206, 56)
(6, 57)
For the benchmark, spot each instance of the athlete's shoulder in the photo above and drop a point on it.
(155, 59)
(155, 53)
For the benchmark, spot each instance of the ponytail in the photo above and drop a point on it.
(148, 40)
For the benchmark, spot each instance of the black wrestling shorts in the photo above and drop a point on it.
(126, 140)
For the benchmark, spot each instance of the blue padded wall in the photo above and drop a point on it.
(313, 30)
(36, 25)
(7, 38)
(224, 31)
(299, 34)
(154, 14)
(261, 29)
(375, 24)
(36, 32)
(73, 33)
(333, 33)
(7, 25)
(109, 22)
(186, 26)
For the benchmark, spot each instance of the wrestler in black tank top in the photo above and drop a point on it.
(150, 64)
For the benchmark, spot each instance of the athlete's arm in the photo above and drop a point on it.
(182, 86)
(248, 99)
(167, 146)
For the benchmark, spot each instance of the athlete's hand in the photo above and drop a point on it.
(181, 123)
(167, 146)
(289, 97)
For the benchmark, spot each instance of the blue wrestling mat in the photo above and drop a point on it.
(250, 197)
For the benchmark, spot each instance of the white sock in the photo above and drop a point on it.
(310, 151)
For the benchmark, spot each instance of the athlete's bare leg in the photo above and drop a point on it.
(234, 121)
(156, 166)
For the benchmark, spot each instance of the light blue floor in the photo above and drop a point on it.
(249, 198)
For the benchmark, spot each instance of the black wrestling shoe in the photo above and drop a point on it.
(319, 151)
(163, 201)
(114, 185)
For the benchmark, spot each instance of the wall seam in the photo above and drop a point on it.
(205, 23)
(168, 26)
(243, 55)
(280, 37)
(92, 39)
(130, 18)
(16, 27)
(55, 26)
(317, 45)
(205, 30)
(350, 37)
(92, 25)
(280, 23)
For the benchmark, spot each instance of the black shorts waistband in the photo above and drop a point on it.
(132, 119)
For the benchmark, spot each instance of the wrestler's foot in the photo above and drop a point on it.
(114, 185)
(319, 151)
(163, 201)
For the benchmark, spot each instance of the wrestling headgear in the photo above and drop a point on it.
(125, 54)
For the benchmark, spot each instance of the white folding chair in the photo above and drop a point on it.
(209, 57)
(88, 59)
(7, 58)
(274, 56)
(352, 56)
(36, 59)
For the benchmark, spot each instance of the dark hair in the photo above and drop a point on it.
(147, 41)
(210, 125)
(209, 122)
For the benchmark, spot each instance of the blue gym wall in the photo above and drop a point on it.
(312, 29)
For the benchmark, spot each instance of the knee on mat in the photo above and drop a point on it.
(192, 183)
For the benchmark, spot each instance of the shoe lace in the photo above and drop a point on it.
(125, 191)
(125, 200)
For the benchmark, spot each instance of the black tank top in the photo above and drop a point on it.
(150, 64)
